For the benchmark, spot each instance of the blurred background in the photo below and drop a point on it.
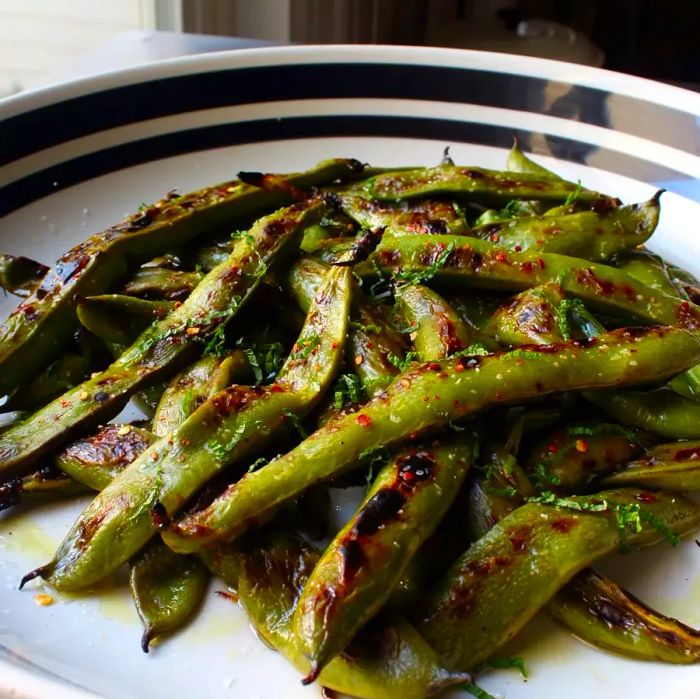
(42, 41)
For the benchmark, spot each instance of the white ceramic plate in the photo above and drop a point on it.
(75, 158)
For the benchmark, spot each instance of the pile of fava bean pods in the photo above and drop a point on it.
(493, 357)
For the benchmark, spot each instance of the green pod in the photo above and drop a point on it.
(471, 263)
(496, 489)
(602, 613)
(213, 253)
(533, 552)
(568, 460)
(586, 234)
(230, 426)
(97, 459)
(472, 184)
(517, 161)
(437, 330)
(476, 309)
(163, 347)
(371, 342)
(162, 284)
(429, 396)
(335, 226)
(662, 411)
(38, 330)
(594, 608)
(361, 567)
(66, 372)
(533, 317)
(118, 318)
(673, 466)
(167, 589)
(372, 345)
(425, 217)
(649, 269)
(20, 273)
(192, 386)
(385, 662)
(46, 482)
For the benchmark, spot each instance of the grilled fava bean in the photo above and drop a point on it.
(536, 550)
(383, 663)
(673, 466)
(359, 570)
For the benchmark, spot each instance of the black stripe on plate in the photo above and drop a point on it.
(56, 178)
(57, 123)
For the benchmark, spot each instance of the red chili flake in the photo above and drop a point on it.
(518, 248)
(334, 345)
(527, 266)
(275, 388)
(433, 366)
(540, 262)
(501, 256)
(646, 497)
(552, 448)
(363, 420)
(581, 446)
(495, 237)
(459, 366)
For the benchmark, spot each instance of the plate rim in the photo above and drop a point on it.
(615, 82)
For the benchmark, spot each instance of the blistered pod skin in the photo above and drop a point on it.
(533, 552)
(386, 662)
(421, 217)
(360, 568)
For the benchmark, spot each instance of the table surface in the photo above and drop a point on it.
(139, 47)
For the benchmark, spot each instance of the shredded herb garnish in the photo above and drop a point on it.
(477, 691)
(216, 343)
(475, 349)
(402, 363)
(628, 517)
(549, 498)
(305, 346)
(369, 327)
(543, 478)
(573, 196)
(504, 664)
(347, 391)
(257, 464)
